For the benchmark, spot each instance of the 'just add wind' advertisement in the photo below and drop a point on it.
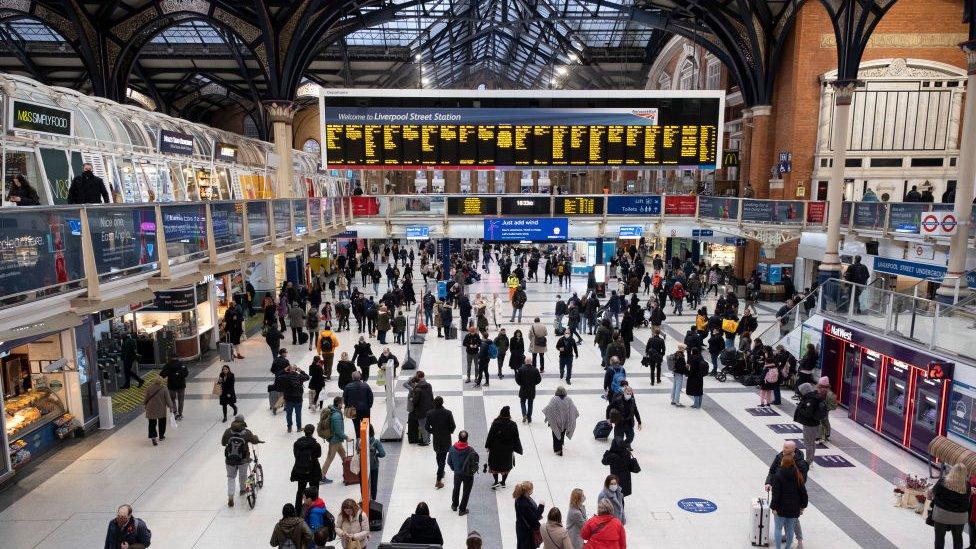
(39, 118)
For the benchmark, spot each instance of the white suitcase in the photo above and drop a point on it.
(226, 352)
(760, 523)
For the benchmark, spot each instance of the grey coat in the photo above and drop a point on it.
(561, 415)
(296, 317)
(617, 500)
(575, 519)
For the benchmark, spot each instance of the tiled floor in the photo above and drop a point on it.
(719, 453)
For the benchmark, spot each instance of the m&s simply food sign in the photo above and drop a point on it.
(41, 119)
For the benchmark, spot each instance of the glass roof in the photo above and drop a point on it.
(32, 31)
(190, 32)
(524, 41)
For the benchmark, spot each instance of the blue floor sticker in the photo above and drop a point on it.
(697, 505)
(785, 428)
(832, 461)
(800, 445)
(762, 411)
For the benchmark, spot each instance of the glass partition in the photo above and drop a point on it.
(315, 212)
(327, 213)
(300, 207)
(103, 131)
(716, 207)
(228, 225)
(39, 250)
(123, 239)
(184, 226)
(845, 213)
(282, 217)
(906, 217)
(258, 221)
(870, 215)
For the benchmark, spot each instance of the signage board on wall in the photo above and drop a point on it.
(630, 231)
(579, 205)
(525, 205)
(41, 119)
(418, 232)
(174, 142)
(634, 205)
(679, 205)
(123, 238)
(39, 250)
(224, 152)
(962, 411)
(716, 207)
(535, 229)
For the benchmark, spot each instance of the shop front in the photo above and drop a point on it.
(48, 392)
(183, 316)
(897, 391)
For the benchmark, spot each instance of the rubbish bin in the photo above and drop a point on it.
(105, 418)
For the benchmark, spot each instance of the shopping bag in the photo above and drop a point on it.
(216, 388)
(730, 326)
(172, 421)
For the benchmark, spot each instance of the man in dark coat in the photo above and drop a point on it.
(421, 401)
(357, 394)
(87, 188)
(527, 377)
(439, 422)
(858, 274)
(697, 370)
(306, 471)
(502, 442)
(127, 529)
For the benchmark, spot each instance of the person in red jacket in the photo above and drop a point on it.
(604, 531)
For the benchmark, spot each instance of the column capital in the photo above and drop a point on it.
(844, 91)
(281, 110)
(969, 48)
(762, 110)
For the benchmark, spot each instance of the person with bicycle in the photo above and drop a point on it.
(237, 454)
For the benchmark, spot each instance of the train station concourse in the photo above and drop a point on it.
(487, 274)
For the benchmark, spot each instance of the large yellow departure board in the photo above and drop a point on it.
(666, 132)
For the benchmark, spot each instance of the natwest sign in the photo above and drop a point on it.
(838, 331)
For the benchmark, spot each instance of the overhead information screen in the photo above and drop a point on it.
(579, 205)
(400, 129)
(472, 205)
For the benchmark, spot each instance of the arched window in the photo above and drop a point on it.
(664, 82)
(311, 146)
(713, 73)
(687, 79)
(250, 128)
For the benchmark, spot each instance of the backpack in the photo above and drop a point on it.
(618, 376)
(324, 429)
(772, 375)
(670, 362)
(806, 411)
(327, 532)
(235, 448)
(492, 350)
(327, 345)
(470, 464)
(560, 269)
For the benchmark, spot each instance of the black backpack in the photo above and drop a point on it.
(326, 345)
(470, 465)
(236, 448)
(806, 411)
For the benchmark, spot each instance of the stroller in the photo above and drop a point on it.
(734, 364)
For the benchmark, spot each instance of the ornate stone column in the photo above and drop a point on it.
(844, 92)
(759, 151)
(964, 189)
(281, 114)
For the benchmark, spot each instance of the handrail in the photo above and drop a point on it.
(792, 311)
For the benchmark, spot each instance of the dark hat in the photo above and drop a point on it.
(506, 412)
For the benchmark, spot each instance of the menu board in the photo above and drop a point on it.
(579, 205)
(472, 205)
(652, 132)
(122, 238)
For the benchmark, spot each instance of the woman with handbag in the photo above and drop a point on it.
(528, 515)
(352, 526)
(621, 462)
(157, 401)
(950, 506)
(554, 535)
(225, 388)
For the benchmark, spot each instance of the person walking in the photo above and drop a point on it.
(400, 328)
(314, 513)
(376, 452)
(950, 506)
(528, 515)
(566, 345)
(359, 396)
(421, 401)
(654, 353)
(352, 525)
(291, 383)
(679, 369)
(127, 531)
(472, 344)
(554, 535)
(87, 188)
(484, 360)
(622, 412)
(697, 370)
(312, 325)
(175, 374)
(383, 324)
(516, 350)
(328, 343)
(561, 415)
(130, 355)
(810, 412)
(439, 422)
(316, 383)
(463, 461)
(291, 530)
(156, 401)
(306, 471)
(604, 530)
(789, 499)
(234, 326)
(502, 443)
(237, 454)
(296, 321)
(611, 493)
(331, 429)
(716, 344)
(622, 463)
(228, 395)
(273, 337)
(419, 528)
(501, 343)
(538, 343)
(363, 356)
(576, 517)
(789, 449)
(519, 299)
(527, 377)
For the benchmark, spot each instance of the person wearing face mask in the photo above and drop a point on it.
(87, 188)
(622, 412)
(611, 492)
(126, 531)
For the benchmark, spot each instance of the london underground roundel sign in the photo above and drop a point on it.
(930, 223)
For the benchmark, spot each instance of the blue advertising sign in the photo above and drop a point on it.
(775, 275)
(697, 505)
(757, 210)
(702, 232)
(418, 232)
(528, 228)
(122, 238)
(630, 231)
(634, 205)
(37, 250)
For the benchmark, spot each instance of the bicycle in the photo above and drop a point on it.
(255, 479)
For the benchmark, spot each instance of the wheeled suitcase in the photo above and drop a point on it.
(375, 516)
(350, 472)
(274, 396)
(302, 338)
(759, 529)
(226, 351)
(602, 430)
(451, 332)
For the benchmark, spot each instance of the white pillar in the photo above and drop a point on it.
(830, 266)
(281, 114)
(964, 190)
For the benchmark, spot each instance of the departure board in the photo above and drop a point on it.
(471, 205)
(414, 131)
(579, 205)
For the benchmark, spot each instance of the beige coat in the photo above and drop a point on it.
(537, 329)
(554, 536)
(357, 528)
(157, 401)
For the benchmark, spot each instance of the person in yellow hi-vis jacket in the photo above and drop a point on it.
(513, 284)
(328, 343)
